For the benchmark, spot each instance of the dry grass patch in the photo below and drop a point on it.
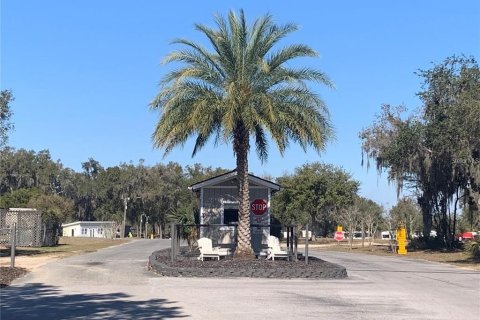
(27, 259)
(67, 246)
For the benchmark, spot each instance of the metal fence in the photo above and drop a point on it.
(218, 232)
(8, 238)
(5, 229)
(5, 235)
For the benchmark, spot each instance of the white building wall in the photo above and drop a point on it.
(89, 230)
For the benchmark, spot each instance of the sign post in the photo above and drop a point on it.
(259, 207)
(13, 244)
(306, 245)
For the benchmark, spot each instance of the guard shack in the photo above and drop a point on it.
(219, 209)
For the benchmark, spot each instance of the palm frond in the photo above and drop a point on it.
(241, 83)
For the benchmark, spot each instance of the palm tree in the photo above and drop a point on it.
(241, 90)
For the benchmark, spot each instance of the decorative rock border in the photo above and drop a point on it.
(187, 266)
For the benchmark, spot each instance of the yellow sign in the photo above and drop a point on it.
(339, 228)
(401, 240)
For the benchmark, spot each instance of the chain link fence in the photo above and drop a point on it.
(32, 229)
(5, 229)
(5, 235)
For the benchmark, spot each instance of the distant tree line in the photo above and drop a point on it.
(326, 196)
(33, 179)
(320, 194)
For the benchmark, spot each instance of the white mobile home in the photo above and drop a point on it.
(388, 235)
(219, 206)
(89, 229)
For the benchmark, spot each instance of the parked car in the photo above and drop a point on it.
(465, 236)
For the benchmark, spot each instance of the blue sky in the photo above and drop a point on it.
(83, 72)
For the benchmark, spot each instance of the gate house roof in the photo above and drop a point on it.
(233, 175)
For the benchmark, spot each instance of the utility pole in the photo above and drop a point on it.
(125, 204)
(146, 226)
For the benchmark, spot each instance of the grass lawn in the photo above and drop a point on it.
(67, 246)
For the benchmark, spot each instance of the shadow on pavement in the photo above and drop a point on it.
(39, 301)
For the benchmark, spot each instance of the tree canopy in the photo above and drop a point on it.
(434, 152)
(407, 213)
(314, 194)
(6, 97)
(33, 179)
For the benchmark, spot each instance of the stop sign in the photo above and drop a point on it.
(339, 236)
(259, 207)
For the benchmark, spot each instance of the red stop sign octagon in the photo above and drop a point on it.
(259, 207)
(339, 236)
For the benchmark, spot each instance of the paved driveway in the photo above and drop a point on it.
(114, 283)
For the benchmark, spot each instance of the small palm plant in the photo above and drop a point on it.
(184, 216)
(472, 247)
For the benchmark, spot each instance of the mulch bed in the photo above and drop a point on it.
(187, 265)
(7, 275)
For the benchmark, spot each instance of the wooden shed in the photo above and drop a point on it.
(219, 208)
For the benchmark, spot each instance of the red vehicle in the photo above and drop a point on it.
(466, 236)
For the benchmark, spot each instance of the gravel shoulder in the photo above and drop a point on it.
(30, 263)
(23, 265)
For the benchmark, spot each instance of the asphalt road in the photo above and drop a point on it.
(113, 283)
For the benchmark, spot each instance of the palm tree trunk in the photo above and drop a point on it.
(241, 147)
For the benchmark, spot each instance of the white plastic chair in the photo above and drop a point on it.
(207, 251)
(274, 249)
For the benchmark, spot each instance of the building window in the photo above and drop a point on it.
(84, 230)
(230, 216)
(99, 230)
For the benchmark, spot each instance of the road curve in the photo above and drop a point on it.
(114, 283)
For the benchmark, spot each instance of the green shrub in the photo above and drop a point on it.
(472, 247)
(421, 243)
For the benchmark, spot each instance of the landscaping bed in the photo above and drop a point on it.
(187, 265)
(7, 275)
